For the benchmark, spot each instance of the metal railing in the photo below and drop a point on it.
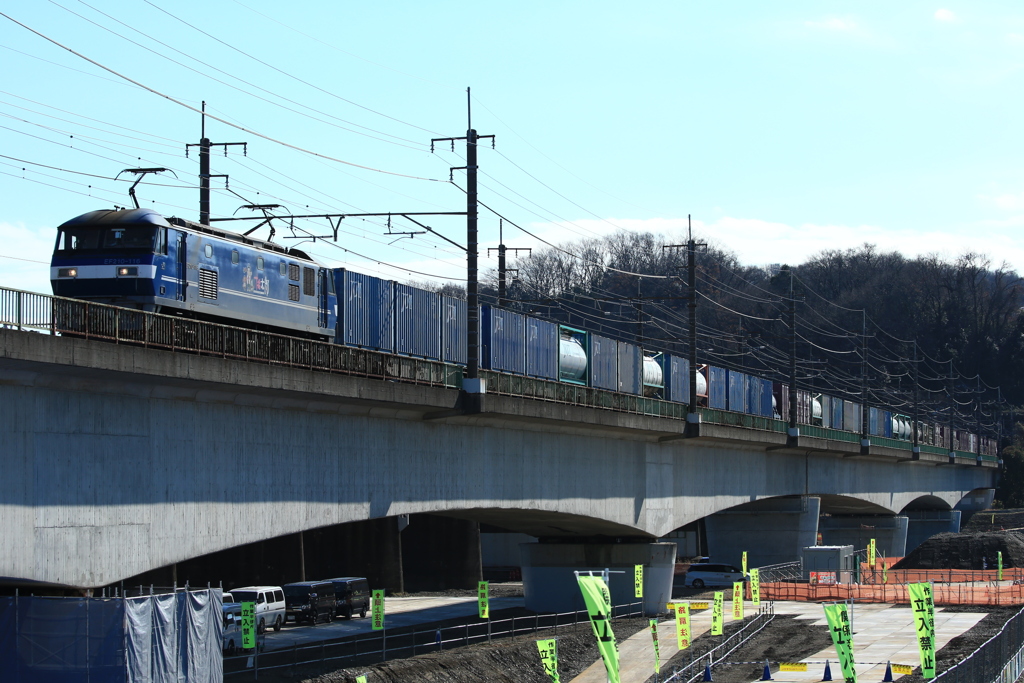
(999, 660)
(23, 310)
(75, 318)
(695, 669)
(379, 646)
(784, 571)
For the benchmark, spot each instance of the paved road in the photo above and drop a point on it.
(398, 612)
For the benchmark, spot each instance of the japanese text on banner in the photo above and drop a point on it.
(377, 610)
(922, 602)
(716, 614)
(549, 657)
(483, 600)
(744, 567)
(755, 587)
(839, 627)
(737, 599)
(638, 581)
(871, 554)
(598, 601)
(248, 625)
(657, 649)
(682, 625)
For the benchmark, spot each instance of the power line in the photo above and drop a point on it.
(216, 118)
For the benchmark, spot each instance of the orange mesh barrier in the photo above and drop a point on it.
(944, 594)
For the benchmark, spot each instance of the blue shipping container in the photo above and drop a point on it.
(417, 322)
(503, 345)
(603, 355)
(453, 330)
(718, 388)
(541, 349)
(365, 318)
(631, 368)
(676, 372)
(759, 396)
(837, 413)
(887, 424)
(874, 428)
(736, 398)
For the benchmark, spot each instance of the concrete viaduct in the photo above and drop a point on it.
(118, 460)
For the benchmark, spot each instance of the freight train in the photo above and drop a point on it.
(139, 259)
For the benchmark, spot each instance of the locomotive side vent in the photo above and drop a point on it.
(293, 272)
(309, 281)
(207, 283)
(293, 293)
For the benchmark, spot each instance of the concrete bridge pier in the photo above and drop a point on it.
(889, 532)
(923, 524)
(549, 581)
(771, 531)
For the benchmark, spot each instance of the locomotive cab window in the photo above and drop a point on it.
(284, 268)
(259, 263)
(234, 256)
(77, 239)
(208, 250)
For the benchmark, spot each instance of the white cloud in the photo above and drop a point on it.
(945, 16)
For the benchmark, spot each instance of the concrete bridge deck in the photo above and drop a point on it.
(119, 459)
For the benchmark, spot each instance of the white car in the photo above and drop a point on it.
(709, 574)
(270, 607)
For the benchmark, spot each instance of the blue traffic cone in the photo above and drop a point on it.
(828, 672)
(767, 675)
(707, 673)
(887, 678)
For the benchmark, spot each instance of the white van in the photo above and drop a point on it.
(270, 607)
(232, 636)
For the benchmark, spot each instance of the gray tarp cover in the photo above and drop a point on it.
(174, 638)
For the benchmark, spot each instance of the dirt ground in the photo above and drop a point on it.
(507, 661)
(966, 550)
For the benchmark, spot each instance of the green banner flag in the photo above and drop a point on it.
(599, 601)
(716, 614)
(871, 554)
(682, 625)
(744, 563)
(885, 573)
(483, 600)
(638, 581)
(657, 650)
(248, 625)
(361, 679)
(923, 604)
(549, 657)
(999, 561)
(737, 599)
(755, 587)
(839, 627)
(377, 610)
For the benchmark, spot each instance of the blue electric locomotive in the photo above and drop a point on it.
(139, 259)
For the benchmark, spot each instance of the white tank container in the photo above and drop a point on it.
(652, 372)
(573, 359)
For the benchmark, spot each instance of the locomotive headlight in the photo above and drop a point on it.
(127, 272)
(67, 272)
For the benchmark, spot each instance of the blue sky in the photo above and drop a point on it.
(784, 129)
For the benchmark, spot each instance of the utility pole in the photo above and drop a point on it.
(692, 417)
(204, 167)
(977, 416)
(639, 314)
(916, 447)
(472, 275)
(502, 270)
(794, 431)
(952, 407)
(864, 442)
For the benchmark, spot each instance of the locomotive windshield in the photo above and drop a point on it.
(77, 239)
